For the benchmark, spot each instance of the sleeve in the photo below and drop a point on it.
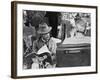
(52, 46)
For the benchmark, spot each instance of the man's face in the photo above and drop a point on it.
(46, 36)
(81, 26)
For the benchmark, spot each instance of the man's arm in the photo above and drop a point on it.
(52, 46)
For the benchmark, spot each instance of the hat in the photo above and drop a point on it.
(44, 28)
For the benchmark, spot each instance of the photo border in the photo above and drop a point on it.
(14, 37)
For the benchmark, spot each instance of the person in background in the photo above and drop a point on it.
(45, 39)
(79, 30)
(81, 26)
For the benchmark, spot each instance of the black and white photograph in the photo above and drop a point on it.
(54, 39)
(50, 32)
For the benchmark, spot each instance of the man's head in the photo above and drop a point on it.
(44, 31)
(80, 24)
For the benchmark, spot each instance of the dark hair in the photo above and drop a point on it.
(48, 59)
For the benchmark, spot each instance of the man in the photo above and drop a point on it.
(45, 39)
(80, 28)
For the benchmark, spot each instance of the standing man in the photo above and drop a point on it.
(45, 39)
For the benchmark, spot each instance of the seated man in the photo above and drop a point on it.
(45, 39)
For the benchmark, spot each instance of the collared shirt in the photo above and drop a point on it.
(50, 44)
